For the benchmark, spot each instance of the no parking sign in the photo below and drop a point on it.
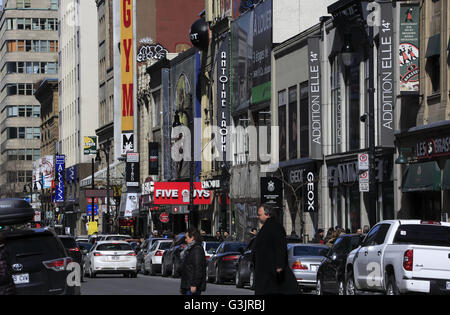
(363, 162)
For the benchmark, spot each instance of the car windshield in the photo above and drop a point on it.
(211, 247)
(117, 238)
(234, 247)
(68, 242)
(164, 245)
(114, 247)
(428, 235)
(310, 251)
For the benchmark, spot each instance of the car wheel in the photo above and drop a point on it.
(91, 273)
(152, 270)
(238, 281)
(391, 288)
(208, 277)
(341, 287)
(252, 280)
(218, 278)
(350, 288)
(163, 269)
(144, 270)
(319, 290)
(134, 275)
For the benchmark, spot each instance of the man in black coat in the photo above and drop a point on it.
(193, 275)
(273, 276)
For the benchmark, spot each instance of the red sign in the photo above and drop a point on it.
(164, 218)
(179, 194)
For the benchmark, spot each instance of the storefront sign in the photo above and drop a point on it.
(311, 193)
(262, 47)
(60, 171)
(409, 47)
(127, 58)
(315, 97)
(433, 148)
(179, 194)
(211, 184)
(272, 191)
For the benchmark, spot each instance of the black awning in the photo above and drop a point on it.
(446, 176)
(422, 177)
(434, 46)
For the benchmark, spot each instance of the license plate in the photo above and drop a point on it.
(314, 267)
(21, 279)
(448, 285)
(115, 257)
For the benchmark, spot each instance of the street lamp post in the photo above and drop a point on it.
(106, 147)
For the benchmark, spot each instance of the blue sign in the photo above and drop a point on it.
(71, 174)
(60, 171)
(89, 210)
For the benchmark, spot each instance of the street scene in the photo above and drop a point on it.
(234, 148)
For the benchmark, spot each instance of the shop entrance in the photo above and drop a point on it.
(426, 205)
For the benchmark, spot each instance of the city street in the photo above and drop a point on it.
(147, 285)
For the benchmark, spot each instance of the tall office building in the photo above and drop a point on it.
(28, 55)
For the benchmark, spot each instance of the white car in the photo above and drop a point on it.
(153, 260)
(111, 257)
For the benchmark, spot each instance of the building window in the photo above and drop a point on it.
(304, 120)
(282, 103)
(293, 124)
(434, 71)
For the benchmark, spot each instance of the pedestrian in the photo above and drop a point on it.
(329, 234)
(7, 286)
(193, 273)
(359, 231)
(203, 233)
(318, 239)
(366, 229)
(273, 276)
(218, 236)
(338, 232)
(226, 236)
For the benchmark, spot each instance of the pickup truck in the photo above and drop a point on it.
(400, 257)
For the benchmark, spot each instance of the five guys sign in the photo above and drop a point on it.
(178, 194)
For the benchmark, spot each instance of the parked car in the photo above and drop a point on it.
(209, 248)
(245, 273)
(152, 262)
(331, 273)
(74, 251)
(171, 261)
(142, 252)
(38, 258)
(111, 257)
(401, 256)
(304, 260)
(223, 264)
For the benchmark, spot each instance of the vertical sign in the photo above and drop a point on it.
(262, 48)
(153, 159)
(271, 191)
(315, 97)
(409, 47)
(223, 95)
(60, 171)
(386, 73)
(127, 58)
(132, 170)
(311, 192)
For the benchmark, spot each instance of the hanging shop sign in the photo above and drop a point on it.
(262, 48)
(200, 34)
(153, 158)
(272, 191)
(223, 98)
(127, 58)
(90, 145)
(132, 170)
(409, 47)
(60, 162)
(211, 184)
(386, 75)
(311, 192)
(315, 97)
(179, 194)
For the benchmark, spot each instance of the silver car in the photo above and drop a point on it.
(304, 260)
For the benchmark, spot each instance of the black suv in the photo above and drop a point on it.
(38, 259)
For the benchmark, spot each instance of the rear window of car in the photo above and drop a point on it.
(116, 238)
(86, 246)
(310, 251)
(234, 247)
(113, 247)
(36, 247)
(164, 245)
(429, 235)
(68, 242)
